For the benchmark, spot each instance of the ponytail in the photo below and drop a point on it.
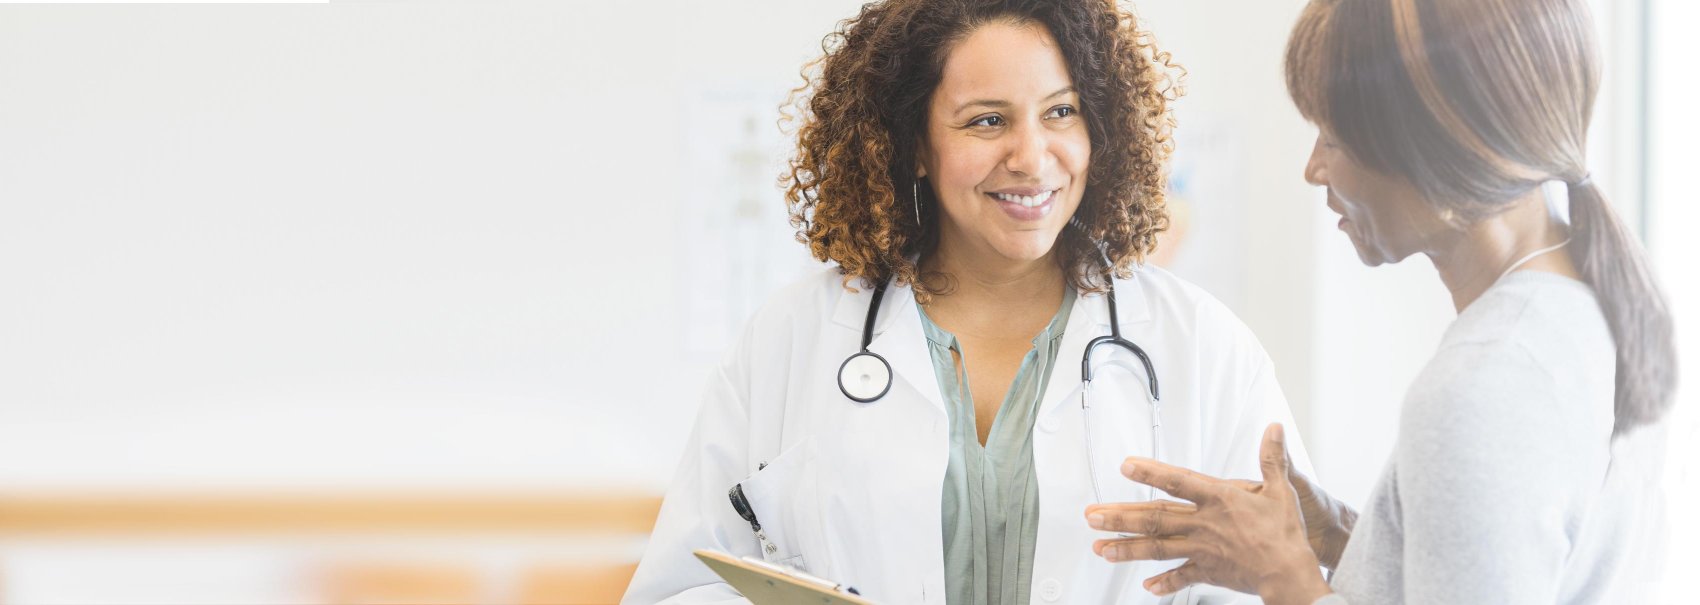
(1614, 264)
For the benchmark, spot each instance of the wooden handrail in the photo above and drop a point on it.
(222, 514)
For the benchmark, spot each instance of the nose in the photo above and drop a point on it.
(1316, 172)
(1030, 152)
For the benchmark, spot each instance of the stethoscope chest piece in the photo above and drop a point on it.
(865, 377)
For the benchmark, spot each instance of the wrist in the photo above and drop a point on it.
(1337, 535)
(1298, 586)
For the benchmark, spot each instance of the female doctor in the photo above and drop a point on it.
(914, 422)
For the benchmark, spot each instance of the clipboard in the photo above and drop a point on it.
(764, 583)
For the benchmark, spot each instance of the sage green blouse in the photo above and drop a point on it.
(991, 500)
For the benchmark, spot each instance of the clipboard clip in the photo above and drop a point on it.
(741, 504)
(766, 583)
(816, 580)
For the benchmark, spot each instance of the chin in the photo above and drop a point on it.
(1371, 259)
(1369, 255)
(1376, 257)
(1027, 246)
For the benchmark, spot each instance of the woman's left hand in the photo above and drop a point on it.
(1235, 534)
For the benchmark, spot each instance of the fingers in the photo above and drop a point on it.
(1165, 505)
(1157, 518)
(1176, 481)
(1145, 549)
(1274, 455)
(1172, 581)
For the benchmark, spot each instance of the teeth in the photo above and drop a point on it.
(1028, 201)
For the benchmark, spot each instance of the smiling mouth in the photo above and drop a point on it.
(1026, 201)
(1331, 205)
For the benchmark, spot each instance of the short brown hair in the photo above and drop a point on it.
(863, 117)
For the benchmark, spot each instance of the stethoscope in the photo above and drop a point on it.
(865, 377)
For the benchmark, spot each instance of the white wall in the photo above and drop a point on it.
(1243, 143)
(361, 244)
(1672, 216)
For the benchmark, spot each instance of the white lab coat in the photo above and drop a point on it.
(853, 492)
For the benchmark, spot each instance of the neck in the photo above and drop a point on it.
(1472, 261)
(996, 280)
(990, 289)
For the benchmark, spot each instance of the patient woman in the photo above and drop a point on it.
(1527, 461)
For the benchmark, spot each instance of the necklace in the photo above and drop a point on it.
(1531, 257)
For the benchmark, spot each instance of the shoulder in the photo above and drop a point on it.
(1171, 298)
(1537, 345)
(1526, 373)
(1488, 418)
(784, 329)
(808, 300)
(1201, 342)
(1188, 309)
(1535, 309)
(795, 314)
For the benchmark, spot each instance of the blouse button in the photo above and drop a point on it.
(1050, 590)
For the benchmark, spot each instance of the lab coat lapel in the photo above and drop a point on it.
(897, 337)
(1065, 376)
(1089, 319)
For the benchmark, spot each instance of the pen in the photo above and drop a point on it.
(828, 584)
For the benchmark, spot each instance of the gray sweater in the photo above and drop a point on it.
(1506, 484)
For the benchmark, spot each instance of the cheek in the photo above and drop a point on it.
(1390, 219)
(1345, 186)
(1075, 154)
(1370, 214)
(962, 168)
(1359, 199)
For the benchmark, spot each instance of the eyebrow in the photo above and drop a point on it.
(1000, 104)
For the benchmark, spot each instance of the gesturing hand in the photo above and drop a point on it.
(1249, 538)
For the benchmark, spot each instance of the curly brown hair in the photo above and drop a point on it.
(862, 111)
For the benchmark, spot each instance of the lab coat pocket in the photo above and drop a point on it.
(781, 495)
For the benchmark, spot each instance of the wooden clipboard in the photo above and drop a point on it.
(764, 583)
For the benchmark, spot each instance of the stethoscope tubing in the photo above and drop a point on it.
(845, 369)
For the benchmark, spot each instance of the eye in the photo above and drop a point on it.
(992, 121)
(1062, 111)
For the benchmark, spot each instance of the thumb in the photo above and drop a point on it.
(1301, 483)
(1274, 455)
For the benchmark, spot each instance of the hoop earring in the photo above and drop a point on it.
(915, 196)
(1449, 217)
